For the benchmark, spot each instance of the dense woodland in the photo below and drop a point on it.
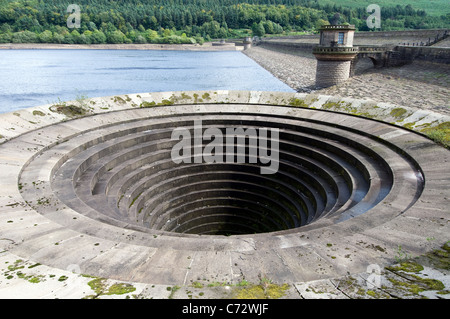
(188, 21)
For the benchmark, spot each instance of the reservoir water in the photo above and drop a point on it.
(36, 77)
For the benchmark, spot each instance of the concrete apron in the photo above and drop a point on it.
(40, 235)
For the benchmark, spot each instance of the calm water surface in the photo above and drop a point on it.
(36, 77)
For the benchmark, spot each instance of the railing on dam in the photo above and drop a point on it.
(372, 49)
(335, 50)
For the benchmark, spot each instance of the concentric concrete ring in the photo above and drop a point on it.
(102, 192)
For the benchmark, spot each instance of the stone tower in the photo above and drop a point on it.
(334, 54)
(247, 43)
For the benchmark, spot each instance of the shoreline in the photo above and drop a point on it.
(208, 46)
(421, 84)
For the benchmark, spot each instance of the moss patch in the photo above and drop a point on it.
(407, 267)
(16, 270)
(120, 289)
(409, 126)
(346, 107)
(197, 284)
(206, 96)
(38, 113)
(68, 110)
(298, 103)
(417, 284)
(164, 102)
(440, 258)
(100, 287)
(172, 290)
(264, 290)
(119, 100)
(332, 105)
(439, 133)
(146, 104)
(408, 272)
(398, 112)
(97, 285)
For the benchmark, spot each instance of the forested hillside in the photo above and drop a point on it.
(187, 21)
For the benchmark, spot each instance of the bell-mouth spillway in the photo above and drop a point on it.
(109, 181)
(323, 171)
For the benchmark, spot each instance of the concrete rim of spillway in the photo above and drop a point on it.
(48, 232)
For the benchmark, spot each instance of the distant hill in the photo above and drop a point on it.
(431, 7)
(196, 21)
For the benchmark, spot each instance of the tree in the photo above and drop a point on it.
(5, 37)
(5, 28)
(167, 33)
(320, 23)
(92, 26)
(83, 39)
(75, 36)
(68, 39)
(140, 39)
(46, 37)
(268, 27)
(212, 29)
(115, 37)
(153, 24)
(141, 28)
(205, 18)
(58, 38)
(277, 29)
(150, 36)
(25, 37)
(258, 29)
(223, 33)
(335, 19)
(98, 37)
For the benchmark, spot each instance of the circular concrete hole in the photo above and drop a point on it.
(319, 171)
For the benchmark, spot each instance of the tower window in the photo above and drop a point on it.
(341, 38)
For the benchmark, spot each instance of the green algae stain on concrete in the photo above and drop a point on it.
(439, 133)
(17, 270)
(164, 102)
(120, 289)
(100, 286)
(297, 103)
(440, 258)
(258, 292)
(407, 267)
(398, 112)
(38, 113)
(146, 104)
(416, 284)
(266, 289)
(69, 110)
(412, 279)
